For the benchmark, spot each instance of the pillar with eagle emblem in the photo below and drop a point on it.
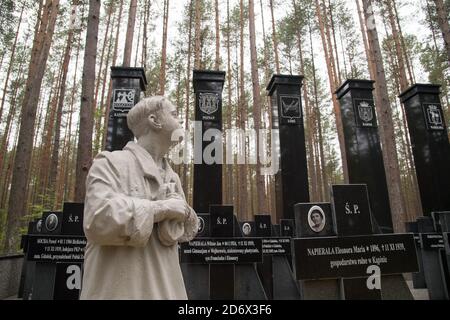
(291, 180)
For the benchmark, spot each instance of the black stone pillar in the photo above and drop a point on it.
(363, 149)
(430, 145)
(127, 84)
(352, 217)
(291, 181)
(221, 276)
(208, 86)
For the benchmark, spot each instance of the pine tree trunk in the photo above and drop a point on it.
(229, 167)
(275, 40)
(6, 133)
(62, 94)
(330, 9)
(444, 24)
(332, 81)
(398, 48)
(386, 126)
(242, 118)
(260, 189)
(365, 41)
(114, 59)
(84, 154)
(187, 93)
(147, 7)
(198, 17)
(162, 74)
(217, 60)
(17, 202)
(308, 122)
(11, 62)
(130, 34)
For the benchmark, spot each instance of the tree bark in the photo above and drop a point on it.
(275, 40)
(11, 62)
(217, 60)
(243, 192)
(130, 34)
(444, 25)
(260, 189)
(332, 81)
(162, 74)
(84, 154)
(197, 52)
(386, 126)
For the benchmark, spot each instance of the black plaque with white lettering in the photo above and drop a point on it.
(72, 219)
(221, 223)
(263, 225)
(221, 275)
(447, 242)
(287, 228)
(222, 251)
(313, 220)
(430, 145)
(432, 241)
(280, 246)
(349, 257)
(352, 209)
(46, 248)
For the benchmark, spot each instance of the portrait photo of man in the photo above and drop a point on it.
(51, 222)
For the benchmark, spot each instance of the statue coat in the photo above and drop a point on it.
(128, 255)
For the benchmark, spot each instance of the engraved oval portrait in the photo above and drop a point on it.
(316, 219)
(51, 222)
(201, 224)
(39, 226)
(246, 229)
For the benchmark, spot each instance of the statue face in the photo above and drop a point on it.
(170, 119)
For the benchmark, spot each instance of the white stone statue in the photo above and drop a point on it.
(135, 213)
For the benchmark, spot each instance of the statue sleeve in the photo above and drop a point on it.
(111, 217)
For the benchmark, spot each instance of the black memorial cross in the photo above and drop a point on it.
(221, 276)
(275, 270)
(227, 257)
(355, 252)
(432, 248)
(353, 217)
(58, 251)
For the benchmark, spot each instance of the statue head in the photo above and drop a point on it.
(155, 116)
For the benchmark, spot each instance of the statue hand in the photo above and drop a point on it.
(173, 208)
